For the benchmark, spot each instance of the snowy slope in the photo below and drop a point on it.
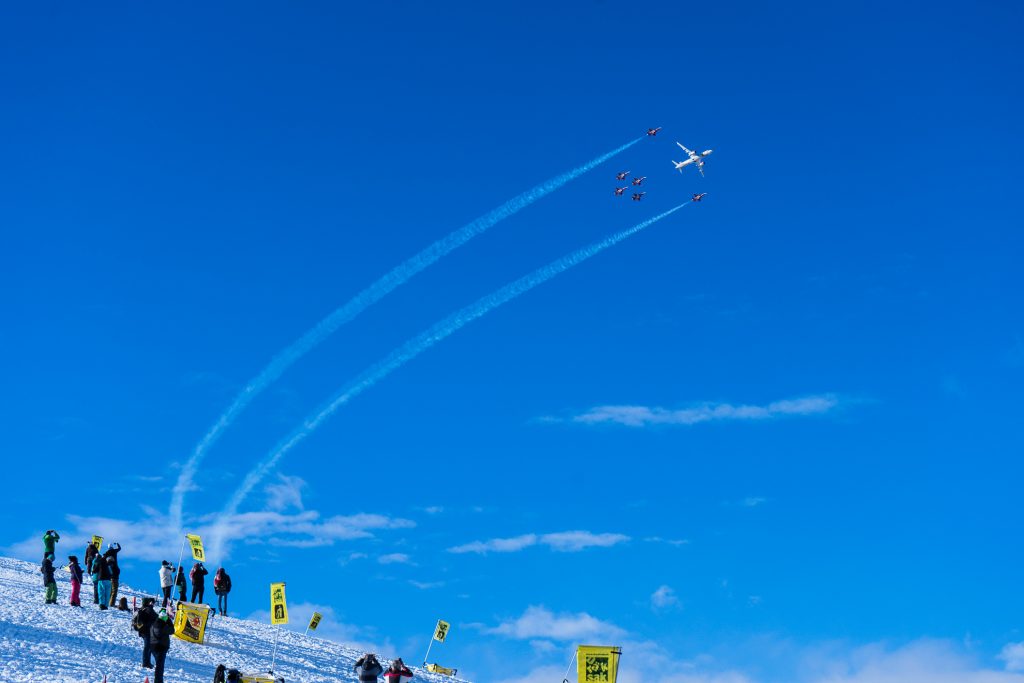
(64, 644)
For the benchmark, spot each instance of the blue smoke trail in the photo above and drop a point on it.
(359, 303)
(410, 350)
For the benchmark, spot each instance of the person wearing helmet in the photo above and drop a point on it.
(160, 642)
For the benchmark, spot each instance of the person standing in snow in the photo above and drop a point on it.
(198, 576)
(369, 668)
(179, 581)
(49, 582)
(166, 580)
(90, 555)
(101, 577)
(76, 580)
(222, 586)
(50, 539)
(160, 642)
(142, 622)
(115, 569)
(398, 672)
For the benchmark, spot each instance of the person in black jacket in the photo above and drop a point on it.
(179, 581)
(49, 582)
(101, 577)
(222, 586)
(160, 642)
(198, 576)
(142, 622)
(369, 668)
(90, 555)
(115, 569)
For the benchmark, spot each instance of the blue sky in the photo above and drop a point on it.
(773, 435)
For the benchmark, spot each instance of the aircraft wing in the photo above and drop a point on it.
(684, 149)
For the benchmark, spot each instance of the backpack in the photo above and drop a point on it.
(234, 676)
(137, 622)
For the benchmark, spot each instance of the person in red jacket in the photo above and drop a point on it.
(222, 586)
(398, 672)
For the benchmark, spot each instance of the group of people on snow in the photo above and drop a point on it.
(155, 627)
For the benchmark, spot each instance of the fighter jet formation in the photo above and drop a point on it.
(693, 158)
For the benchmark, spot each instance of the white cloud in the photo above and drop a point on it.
(426, 585)
(670, 541)
(562, 541)
(1013, 655)
(286, 493)
(664, 598)
(642, 416)
(394, 558)
(538, 622)
(150, 538)
(330, 628)
(434, 509)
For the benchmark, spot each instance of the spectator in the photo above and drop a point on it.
(160, 643)
(101, 577)
(369, 668)
(90, 554)
(166, 580)
(222, 586)
(142, 622)
(198, 576)
(115, 569)
(179, 581)
(76, 580)
(49, 582)
(398, 672)
(50, 539)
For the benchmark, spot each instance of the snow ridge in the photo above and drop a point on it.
(64, 644)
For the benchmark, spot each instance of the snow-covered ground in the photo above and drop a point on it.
(63, 644)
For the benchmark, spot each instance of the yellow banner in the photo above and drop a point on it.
(441, 630)
(190, 621)
(597, 663)
(196, 543)
(438, 669)
(315, 621)
(278, 606)
(97, 541)
(257, 678)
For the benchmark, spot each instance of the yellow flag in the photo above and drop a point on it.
(315, 621)
(197, 547)
(441, 630)
(190, 621)
(598, 664)
(97, 541)
(278, 606)
(443, 670)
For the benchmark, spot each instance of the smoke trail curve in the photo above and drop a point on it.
(360, 302)
(410, 350)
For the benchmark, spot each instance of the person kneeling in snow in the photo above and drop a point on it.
(398, 672)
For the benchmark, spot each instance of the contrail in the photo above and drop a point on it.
(410, 350)
(360, 302)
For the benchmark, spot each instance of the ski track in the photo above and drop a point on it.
(64, 644)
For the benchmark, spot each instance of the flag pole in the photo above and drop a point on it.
(273, 658)
(181, 556)
(576, 652)
(429, 645)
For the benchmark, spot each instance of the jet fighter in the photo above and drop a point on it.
(637, 196)
(622, 176)
(653, 131)
(698, 197)
(638, 181)
(695, 158)
(620, 190)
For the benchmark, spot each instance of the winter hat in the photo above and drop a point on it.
(73, 558)
(166, 563)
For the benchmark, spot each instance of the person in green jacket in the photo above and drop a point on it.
(50, 539)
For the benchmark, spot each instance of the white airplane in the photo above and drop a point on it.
(694, 159)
